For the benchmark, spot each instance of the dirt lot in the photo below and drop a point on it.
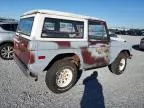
(107, 90)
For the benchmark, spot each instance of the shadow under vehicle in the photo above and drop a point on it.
(93, 93)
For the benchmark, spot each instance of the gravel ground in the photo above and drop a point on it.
(107, 90)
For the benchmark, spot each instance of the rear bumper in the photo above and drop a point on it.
(24, 68)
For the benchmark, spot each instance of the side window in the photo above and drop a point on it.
(66, 27)
(58, 28)
(97, 30)
(9, 27)
(49, 26)
(6, 27)
(14, 27)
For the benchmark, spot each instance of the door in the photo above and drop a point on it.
(97, 52)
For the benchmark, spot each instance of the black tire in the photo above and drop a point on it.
(56, 68)
(115, 66)
(7, 56)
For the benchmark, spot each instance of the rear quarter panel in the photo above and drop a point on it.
(54, 48)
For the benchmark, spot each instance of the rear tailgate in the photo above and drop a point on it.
(21, 49)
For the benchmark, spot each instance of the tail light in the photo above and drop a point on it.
(31, 58)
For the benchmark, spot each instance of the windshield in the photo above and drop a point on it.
(25, 26)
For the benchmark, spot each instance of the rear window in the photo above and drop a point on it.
(25, 26)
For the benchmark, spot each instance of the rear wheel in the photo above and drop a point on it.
(119, 65)
(6, 51)
(61, 76)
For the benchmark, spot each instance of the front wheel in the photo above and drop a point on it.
(119, 65)
(61, 76)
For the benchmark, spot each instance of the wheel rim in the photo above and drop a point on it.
(7, 52)
(64, 77)
(122, 64)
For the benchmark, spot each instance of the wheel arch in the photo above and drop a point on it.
(127, 52)
(6, 42)
(65, 56)
(116, 54)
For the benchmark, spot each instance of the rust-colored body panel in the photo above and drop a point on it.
(21, 50)
(62, 44)
(96, 54)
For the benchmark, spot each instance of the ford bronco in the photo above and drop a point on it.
(62, 44)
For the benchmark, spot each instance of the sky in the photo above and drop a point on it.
(117, 13)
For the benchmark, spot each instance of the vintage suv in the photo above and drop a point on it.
(62, 44)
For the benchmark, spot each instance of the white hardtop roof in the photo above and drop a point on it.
(59, 13)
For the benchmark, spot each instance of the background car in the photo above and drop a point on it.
(114, 36)
(141, 46)
(7, 32)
